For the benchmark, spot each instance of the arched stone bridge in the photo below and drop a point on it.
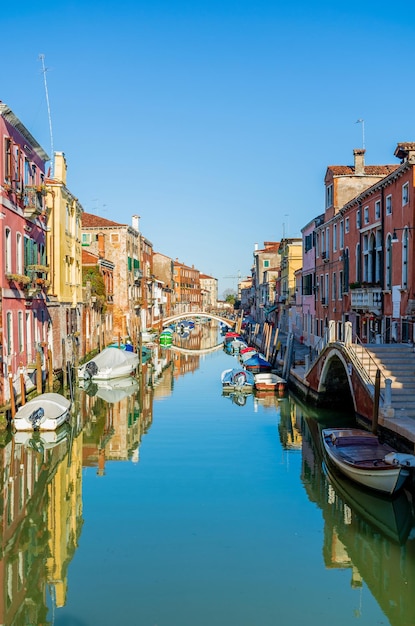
(343, 376)
(173, 318)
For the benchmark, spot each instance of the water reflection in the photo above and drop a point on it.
(372, 535)
(42, 521)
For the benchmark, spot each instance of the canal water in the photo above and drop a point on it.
(169, 504)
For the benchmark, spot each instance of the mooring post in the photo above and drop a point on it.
(375, 415)
(12, 398)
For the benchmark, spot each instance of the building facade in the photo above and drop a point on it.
(24, 317)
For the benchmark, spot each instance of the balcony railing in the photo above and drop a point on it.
(34, 200)
(366, 299)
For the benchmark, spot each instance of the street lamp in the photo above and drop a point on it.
(395, 236)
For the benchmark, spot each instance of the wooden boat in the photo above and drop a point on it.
(47, 411)
(268, 381)
(237, 379)
(108, 364)
(359, 455)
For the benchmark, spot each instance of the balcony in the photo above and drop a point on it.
(34, 200)
(366, 299)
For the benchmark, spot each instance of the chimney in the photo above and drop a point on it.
(101, 245)
(405, 151)
(255, 246)
(60, 167)
(359, 161)
(136, 222)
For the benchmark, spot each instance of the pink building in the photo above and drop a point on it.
(23, 262)
(308, 282)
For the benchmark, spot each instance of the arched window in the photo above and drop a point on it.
(8, 250)
(19, 254)
(358, 264)
(388, 263)
(405, 259)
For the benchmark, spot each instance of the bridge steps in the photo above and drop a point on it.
(397, 362)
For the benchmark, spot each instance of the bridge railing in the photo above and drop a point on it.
(359, 357)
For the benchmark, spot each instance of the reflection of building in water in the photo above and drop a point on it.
(113, 429)
(64, 518)
(185, 363)
(34, 518)
(289, 425)
(367, 533)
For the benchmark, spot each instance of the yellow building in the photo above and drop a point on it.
(65, 260)
(291, 252)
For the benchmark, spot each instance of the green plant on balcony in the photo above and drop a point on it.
(38, 268)
(19, 278)
(356, 285)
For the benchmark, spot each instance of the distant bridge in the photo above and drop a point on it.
(195, 351)
(180, 316)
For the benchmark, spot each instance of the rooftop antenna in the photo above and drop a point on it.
(362, 122)
(44, 70)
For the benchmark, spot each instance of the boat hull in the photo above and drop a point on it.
(109, 364)
(54, 406)
(363, 462)
(267, 381)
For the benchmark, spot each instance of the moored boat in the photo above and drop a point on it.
(47, 411)
(257, 364)
(108, 364)
(238, 379)
(268, 381)
(359, 455)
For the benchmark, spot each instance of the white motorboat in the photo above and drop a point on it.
(108, 364)
(47, 411)
(237, 379)
(268, 381)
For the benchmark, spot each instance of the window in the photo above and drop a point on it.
(329, 196)
(358, 219)
(347, 225)
(20, 332)
(334, 237)
(366, 214)
(405, 194)
(8, 251)
(334, 286)
(341, 284)
(19, 254)
(86, 239)
(9, 333)
(266, 263)
(307, 285)
(377, 210)
(388, 205)
(405, 259)
(341, 235)
(7, 159)
(388, 269)
(308, 242)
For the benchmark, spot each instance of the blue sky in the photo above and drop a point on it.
(213, 120)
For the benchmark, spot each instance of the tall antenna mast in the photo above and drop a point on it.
(44, 70)
(362, 122)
